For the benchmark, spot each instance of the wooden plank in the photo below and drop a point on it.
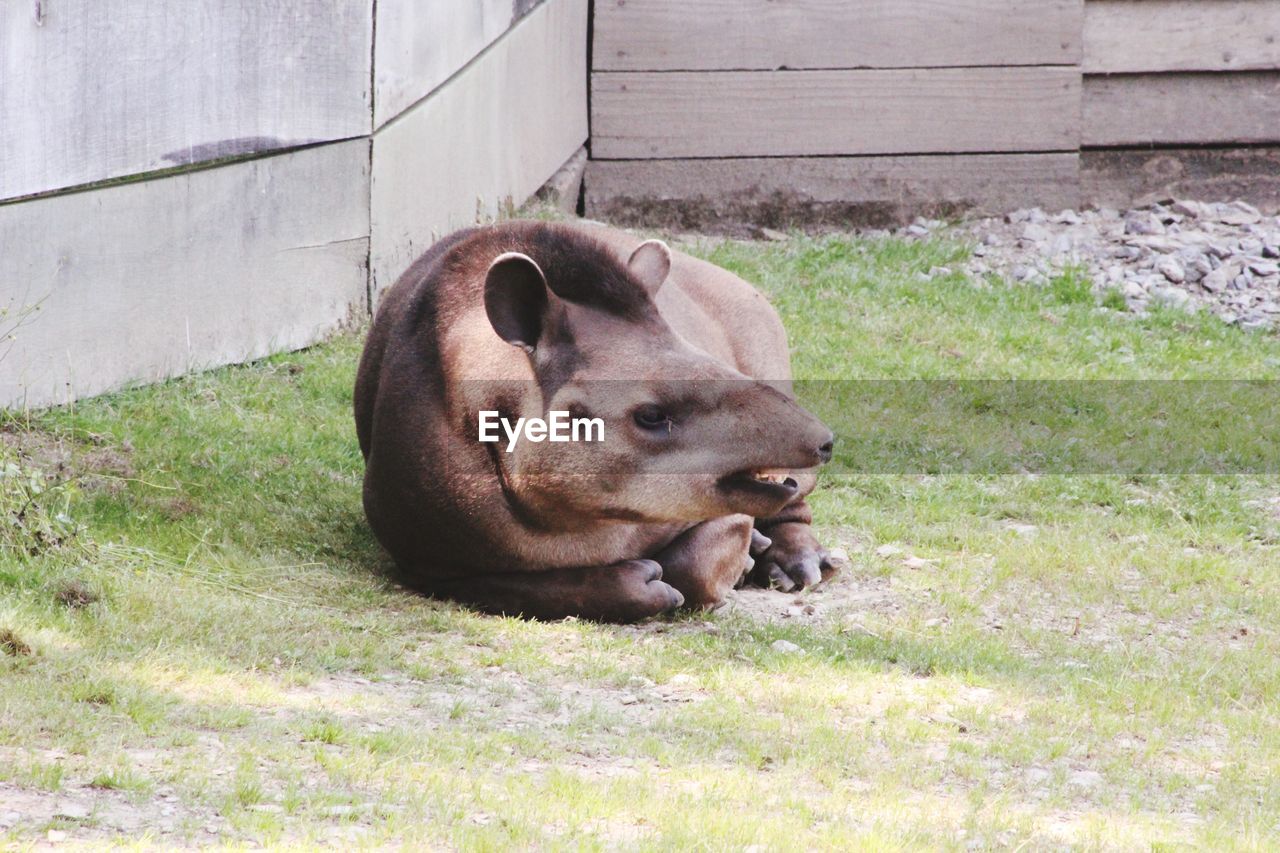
(484, 142)
(796, 113)
(1171, 109)
(783, 191)
(670, 35)
(1127, 36)
(1122, 178)
(151, 279)
(96, 89)
(420, 45)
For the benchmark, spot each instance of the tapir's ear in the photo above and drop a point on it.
(650, 263)
(515, 298)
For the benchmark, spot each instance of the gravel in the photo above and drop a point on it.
(1222, 258)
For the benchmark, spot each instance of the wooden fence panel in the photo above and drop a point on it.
(487, 140)
(797, 113)
(96, 89)
(1127, 36)
(1193, 109)
(669, 35)
(151, 279)
(420, 45)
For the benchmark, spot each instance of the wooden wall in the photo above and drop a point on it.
(881, 109)
(183, 190)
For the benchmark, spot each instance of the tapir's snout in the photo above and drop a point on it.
(826, 449)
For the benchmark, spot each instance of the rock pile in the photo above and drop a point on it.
(1223, 258)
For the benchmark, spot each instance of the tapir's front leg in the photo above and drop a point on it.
(708, 560)
(793, 559)
(623, 592)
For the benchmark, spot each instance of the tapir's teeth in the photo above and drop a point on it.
(770, 475)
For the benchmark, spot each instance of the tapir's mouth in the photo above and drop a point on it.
(775, 483)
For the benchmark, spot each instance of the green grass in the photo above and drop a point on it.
(1083, 661)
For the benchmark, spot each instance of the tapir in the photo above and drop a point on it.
(698, 485)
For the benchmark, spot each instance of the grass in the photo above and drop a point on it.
(213, 652)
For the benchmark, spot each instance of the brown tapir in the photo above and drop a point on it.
(701, 466)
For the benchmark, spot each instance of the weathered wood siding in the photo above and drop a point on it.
(485, 142)
(725, 35)
(151, 279)
(250, 135)
(420, 45)
(718, 105)
(97, 89)
(1157, 36)
(645, 115)
(1181, 72)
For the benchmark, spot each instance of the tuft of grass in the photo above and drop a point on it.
(75, 594)
(13, 645)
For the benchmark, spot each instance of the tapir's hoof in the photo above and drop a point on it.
(644, 594)
(794, 561)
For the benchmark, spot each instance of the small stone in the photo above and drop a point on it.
(1197, 269)
(56, 836)
(786, 647)
(1264, 269)
(72, 811)
(1035, 214)
(1172, 297)
(629, 699)
(771, 234)
(888, 551)
(1218, 280)
(1219, 251)
(1142, 224)
(1270, 251)
(1133, 289)
(1237, 213)
(914, 562)
(1067, 217)
(980, 251)
(1172, 270)
(1035, 233)
(1187, 208)
(917, 230)
(1063, 244)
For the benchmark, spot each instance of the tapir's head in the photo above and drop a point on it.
(686, 437)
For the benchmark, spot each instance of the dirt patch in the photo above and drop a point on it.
(91, 462)
(92, 814)
(843, 595)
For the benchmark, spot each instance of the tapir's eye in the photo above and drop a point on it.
(652, 417)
